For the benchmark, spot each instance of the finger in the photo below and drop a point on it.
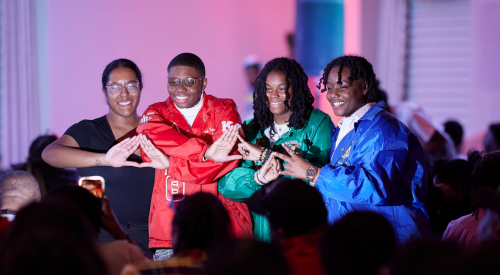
(242, 152)
(128, 143)
(284, 173)
(145, 164)
(242, 140)
(136, 145)
(234, 157)
(122, 144)
(283, 157)
(153, 148)
(234, 135)
(223, 136)
(288, 150)
(131, 163)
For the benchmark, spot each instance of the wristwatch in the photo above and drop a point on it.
(311, 173)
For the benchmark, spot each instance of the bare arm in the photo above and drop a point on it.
(66, 153)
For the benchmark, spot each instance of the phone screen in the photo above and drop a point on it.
(94, 184)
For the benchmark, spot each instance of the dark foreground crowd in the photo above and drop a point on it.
(190, 189)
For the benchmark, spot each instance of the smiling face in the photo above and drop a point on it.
(123, 104)
(276, 95)
(344, 98)
(186, 97)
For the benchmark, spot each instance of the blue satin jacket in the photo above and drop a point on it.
(379, 166)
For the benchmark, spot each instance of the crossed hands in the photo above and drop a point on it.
(118, 154)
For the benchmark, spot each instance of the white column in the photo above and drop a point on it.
(391, 48)
(20, 107)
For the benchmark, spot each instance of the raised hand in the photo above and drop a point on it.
(248, 150)
(118, 154)
(296, 166)
(271, 168)
(220, 150)
(158, 159)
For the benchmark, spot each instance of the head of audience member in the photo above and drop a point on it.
(423, 257)
(292, 208)
(455, 131)
(246, 257)
(200, 221)
(486, 174)
(37, 147)
(489, 227)
(473, 156)
(47, 176)
(252, 66)
(122, 85)
(491, 141)
(50, 238)
(186, 80)
(17, 189)
(359, 243)
(81, 198)
(281, 95)
(457, 174)
(350, 83)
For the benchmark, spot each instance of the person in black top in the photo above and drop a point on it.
(106, 145)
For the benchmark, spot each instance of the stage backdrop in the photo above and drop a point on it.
(82, 37)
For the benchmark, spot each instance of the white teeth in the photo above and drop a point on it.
(124, 103)
(276, 103)
(181, 97)
(338, 103)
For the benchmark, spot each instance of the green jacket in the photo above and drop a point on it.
(314, 141)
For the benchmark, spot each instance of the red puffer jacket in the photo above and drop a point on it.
(165, 126)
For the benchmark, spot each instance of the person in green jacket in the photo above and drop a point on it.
(283, 114)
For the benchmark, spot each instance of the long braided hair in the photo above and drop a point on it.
(359, 68)
(302, 100)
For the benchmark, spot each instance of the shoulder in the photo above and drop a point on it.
(159, 106)
(87, 125)
(387, 131)
(217, 103)
(222, 108)
(319, 116)
(386, 120)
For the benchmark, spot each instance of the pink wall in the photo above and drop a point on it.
(84, 36)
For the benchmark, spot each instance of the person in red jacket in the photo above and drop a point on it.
(184, 127)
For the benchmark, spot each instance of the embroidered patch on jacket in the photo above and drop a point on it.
(345, 156)
(295, 146)
(145, 118)
(227, 124)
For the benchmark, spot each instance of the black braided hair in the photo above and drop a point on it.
(302, 99)
(359, 68)
(486, 173)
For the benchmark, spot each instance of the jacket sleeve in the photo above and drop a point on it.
(164, 135)
(186, 153)
(319, 152)
(239, 185)
(373, 176)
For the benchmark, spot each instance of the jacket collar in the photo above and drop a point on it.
(374, 110)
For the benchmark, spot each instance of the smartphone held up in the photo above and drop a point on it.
(95, 185)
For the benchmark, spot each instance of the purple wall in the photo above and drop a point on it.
(84, 36)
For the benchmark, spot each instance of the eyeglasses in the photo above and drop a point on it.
(188, 82)
(116, 89)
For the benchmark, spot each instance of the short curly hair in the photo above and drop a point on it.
(301, 104)
(359, 68)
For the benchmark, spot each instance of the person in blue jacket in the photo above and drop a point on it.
(376, 163)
